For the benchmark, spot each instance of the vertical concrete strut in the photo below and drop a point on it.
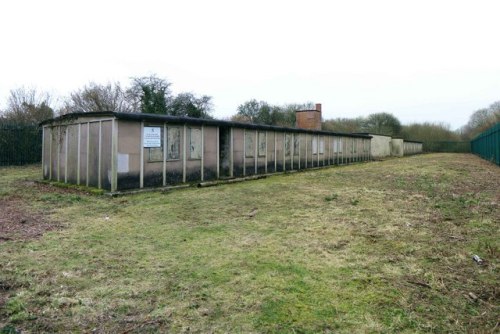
(298, 151)
(43, 151)
(87, 173)
(50, 152)
(265, 167)
(58, 153)
(164, 167)
(284, 151)
(231, 153)
(202, 163)
(218, 152)
(244, 152)
(114, 155)
(141, 170)
(66, 155)
(275, 152)
(99, 168)
(79, 143)
(256, 156)
(184, 153)
(306, 151)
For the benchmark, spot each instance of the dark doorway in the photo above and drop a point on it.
(224, 152)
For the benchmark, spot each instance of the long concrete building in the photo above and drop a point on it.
(121, 151)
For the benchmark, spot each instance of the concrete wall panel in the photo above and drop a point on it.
(55, 142)
(106, 134)
(410, 148)
(174, 165)
(46, 158)
(270, 152)
(381, 146)
(287, 147)
(305, 151)
(129, 155)
(210, 153)
(83, 153)
(251, 143)
(397, 147)
(62, 152)
(94, 155)
(152, 160)
(72, 153)
(238, 141)
(279, 151)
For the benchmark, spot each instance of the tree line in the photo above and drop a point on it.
(147, 94)
(152, 94)
(387, 124)
(262, 112)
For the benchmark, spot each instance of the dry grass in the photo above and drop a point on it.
(376, 247)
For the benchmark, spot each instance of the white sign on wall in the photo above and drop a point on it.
(123, 163)
(152, 136)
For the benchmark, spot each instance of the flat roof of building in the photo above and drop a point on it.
(191, 120)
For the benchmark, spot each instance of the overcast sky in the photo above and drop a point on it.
(420, 60)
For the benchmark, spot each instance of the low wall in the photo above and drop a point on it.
(397, 147)
(386, 146)
(412, 147)
(380, 146)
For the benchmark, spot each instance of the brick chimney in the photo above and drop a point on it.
(309, 119)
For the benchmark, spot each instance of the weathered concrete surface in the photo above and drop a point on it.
(411, 147)
(397, 147)
(108, 153)
(381, 146)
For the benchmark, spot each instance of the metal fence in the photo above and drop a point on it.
(487, 144)
(447, 146)
(20, 144)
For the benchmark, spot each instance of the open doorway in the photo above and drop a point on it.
(224, 152)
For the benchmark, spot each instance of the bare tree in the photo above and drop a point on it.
(28, 106)
(481, 120)
(98, 98)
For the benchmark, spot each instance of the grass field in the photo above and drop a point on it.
(374, 247)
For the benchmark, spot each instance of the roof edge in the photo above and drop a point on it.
(199, 121)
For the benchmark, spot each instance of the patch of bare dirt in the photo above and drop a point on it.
(17, 223)
(48, 187)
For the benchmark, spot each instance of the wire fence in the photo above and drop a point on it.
(487, 144)
(20, 144)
